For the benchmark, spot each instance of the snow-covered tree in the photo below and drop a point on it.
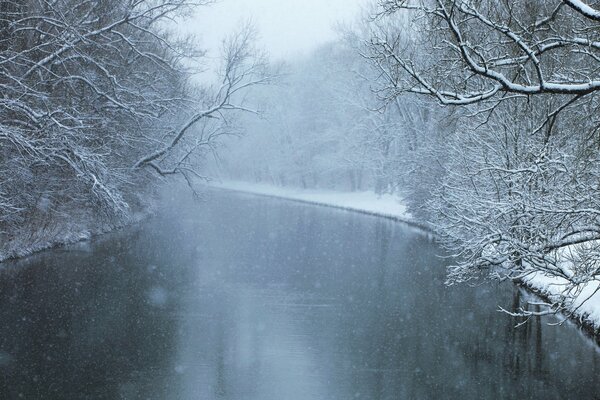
(520, 185)
(96, 99)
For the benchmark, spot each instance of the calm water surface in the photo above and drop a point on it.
(251, 298)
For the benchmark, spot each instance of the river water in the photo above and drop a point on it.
(245, 297)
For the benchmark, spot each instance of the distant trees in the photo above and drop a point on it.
(93, 93)
(325, 127)
(243, 66)
(519, 192)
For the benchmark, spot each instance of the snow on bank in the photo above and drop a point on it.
(385, 205)
(584, 301)
(27, 243)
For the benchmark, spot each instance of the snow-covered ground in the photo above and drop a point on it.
(586, 305)
(585, 302)
(386, 205)
(26, 242)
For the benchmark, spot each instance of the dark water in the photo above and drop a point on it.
(249, 298)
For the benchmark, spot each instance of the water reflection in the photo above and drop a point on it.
(246, 298)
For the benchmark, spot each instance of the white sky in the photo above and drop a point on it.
(287, 28)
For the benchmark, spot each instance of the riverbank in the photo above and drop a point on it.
(585, 307)
(51, 230)
(26, 243)
(365, 202)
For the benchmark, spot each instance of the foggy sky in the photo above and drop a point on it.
(287, 28)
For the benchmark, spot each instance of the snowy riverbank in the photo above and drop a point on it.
(29, 241)
(366, 202)
(26, 243)
(586, 306)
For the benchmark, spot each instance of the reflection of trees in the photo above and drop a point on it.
(220, 353)
(382, 237)
(409, 336)
(523, 345)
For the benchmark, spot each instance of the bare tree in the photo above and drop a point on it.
(243, 67)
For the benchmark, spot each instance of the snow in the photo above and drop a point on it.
(157, 296)
(584, 9)
(582, 300)
(585, 305)
(368, 202)
(25, 242)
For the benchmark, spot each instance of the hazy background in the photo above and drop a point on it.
(286, 28)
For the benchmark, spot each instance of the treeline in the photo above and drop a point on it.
(483, 115)
(326, 126)
(96, 103)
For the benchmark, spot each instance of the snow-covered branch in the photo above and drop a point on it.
(469, 52)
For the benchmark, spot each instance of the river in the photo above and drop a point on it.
(244, 297)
